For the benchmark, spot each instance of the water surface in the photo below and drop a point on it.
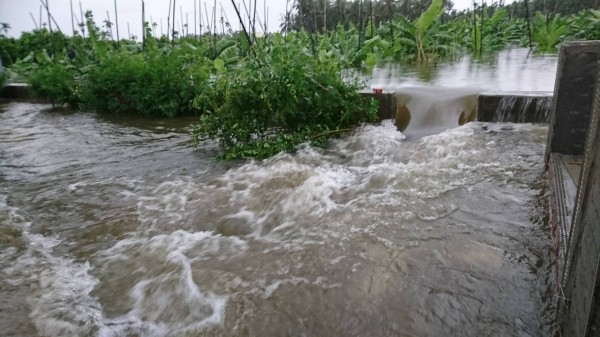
(116, 227)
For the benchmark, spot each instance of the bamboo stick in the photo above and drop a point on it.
(72, 22)
(117, 22)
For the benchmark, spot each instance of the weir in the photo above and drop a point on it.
(433, 109)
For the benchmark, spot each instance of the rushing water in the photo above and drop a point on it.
(116, 227)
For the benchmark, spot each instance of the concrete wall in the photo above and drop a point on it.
(573, 131)
(573, 92)
(582, 287)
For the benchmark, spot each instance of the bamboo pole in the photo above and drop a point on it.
(254, 19)
(207, 19)
(242, 23)
(173, 31)
(195, 21)
(109, 25)
(50, 17)
(41, 25)
(181, 17)
(83, 20)
(143, 25)
(34, 22)
(72, 21)
(168, 22)
(117, 22)
(48, 12)
(215, 24)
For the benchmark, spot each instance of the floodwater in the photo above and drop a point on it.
(117, 227)
(513, 69)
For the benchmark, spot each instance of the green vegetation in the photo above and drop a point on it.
(280, 99)
(261, 95)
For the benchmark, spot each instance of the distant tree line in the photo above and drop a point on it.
(326, 15)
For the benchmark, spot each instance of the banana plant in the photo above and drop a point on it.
(422, 25)
(548, 34)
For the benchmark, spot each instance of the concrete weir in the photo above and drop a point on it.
(458, 108)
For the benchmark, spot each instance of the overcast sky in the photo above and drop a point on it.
(17, 13)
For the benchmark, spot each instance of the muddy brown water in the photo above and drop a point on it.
(117, 227)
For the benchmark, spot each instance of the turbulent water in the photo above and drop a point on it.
(116, 227)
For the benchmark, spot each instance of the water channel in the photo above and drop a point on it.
(115, 226)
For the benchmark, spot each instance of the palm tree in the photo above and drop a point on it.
(4, 27)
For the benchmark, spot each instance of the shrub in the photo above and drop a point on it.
(277, 100)
(152, 84)
(55, 82)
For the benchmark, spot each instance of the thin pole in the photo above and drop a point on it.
(40, 17)
(143, 25)
(34, 22)
(128, 32)
(215, 23)
(168, 22)
(109, 25)
(117, 22)
(72, 21)
(187, 25)
(195, 21)
(200, 15)
(161, 28)
(287, 18)
(207, 19)
(182, 22)
(242, 23)
(173, 31)
(48, 11)
(50, 17)
(253, 20)
(83, 21)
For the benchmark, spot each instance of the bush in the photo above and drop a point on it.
(151, 84)
(277, 100)
(54, 82)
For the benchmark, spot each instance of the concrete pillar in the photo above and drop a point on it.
(575, 131)
(573, 92)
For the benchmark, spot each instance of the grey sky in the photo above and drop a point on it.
(17, 13)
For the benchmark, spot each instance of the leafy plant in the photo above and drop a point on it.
(547, 34)
(281, 99)
(153, 84)
(54, 81)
